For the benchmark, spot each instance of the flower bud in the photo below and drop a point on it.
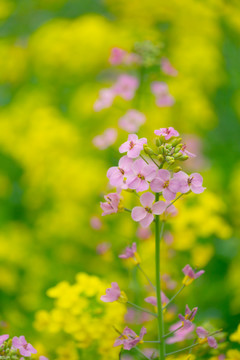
(160, 157)
(169, 158)
(177, 155)
(176, 141)
(158, 142)
(177, 169)
(148, 150)
(178, 148)
(169, 146)
(183, 157)
(161, 149)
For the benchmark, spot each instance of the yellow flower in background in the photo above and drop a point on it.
(236, 335)
(233, 355)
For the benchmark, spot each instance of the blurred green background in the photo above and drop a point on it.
(53, 62)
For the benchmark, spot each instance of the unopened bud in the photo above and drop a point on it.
(158, 142)
(176, 141)
(160, 157)
(169, 159)
(148, 150)
(177, 169)
(178, 148)
(183, 157)
(177, 155)
(169, 146)
(161, 149)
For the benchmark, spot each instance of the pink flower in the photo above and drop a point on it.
(112, 294)
(111, 204)
(117, 56)
(190, 275)
(169, 283)
(162, 183)
(181, 334)
(189, 317)
(105, 100)
(171, 210)
(103, 247)
(117, 174)
(131, 252)
(132, 120)
(143, 233)
(145, 214)
(133, 146)
(106, 139)
(25, 348)
(184, 151)
(43, 358)
(153, 300)
(204, 334)
(160, 90)
(184, 183)
(167, 68)
(125, 86)
(167, 133)
(95, 223)
(129, 338)
(141, 175)
(3, 338)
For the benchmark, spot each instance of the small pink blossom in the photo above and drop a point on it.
(3, 338)
(184, 151)
(95, 223)
(118, 174)
(167, 68)
(130, 252)
(153, 300)
(163, 98)
(133, 146)
(190, 274)
(105, 100)
(162, 183)
(181, 334)
(189, 317)
(167, 133)
(132, 120)
(204, 334)
(129, 338)
(125, 86)
(112, 294)
(143, 233)
(171, 210)
(103, 247)
(141, 175)
(43, 358)
(136, 317)
(184, 183)
(24, 348)
(145, 214)
(106, 139)
(169, 283)
(117, 56)
(111, 204)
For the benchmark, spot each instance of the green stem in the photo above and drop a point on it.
(128, 210)
(141, 269)
(178, 292)
(154, 161)
(140, 352)
(186, 348)
(158, 236)
(172, 332)
(139, 308)
(143, 158)
(175, 200)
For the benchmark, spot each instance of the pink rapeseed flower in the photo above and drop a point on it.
(190, 274)
(117, 56)
(133, 146)
(24, 348)
(204, 336)
(141, 175)
(118, 174)
(3, 338)
(167, 133)
(184, 151)
(131, 252)
(167, 68)
(112, 294)
(153, 300)
(162, 183)
(129, 338)
(125, 86)
(132, 120)
(188, 317)
(106, 139)
(111, 205)
(184, 183)
(105, 100)
(43, 358)
(145, 214)
(160, 90)
(181, 334)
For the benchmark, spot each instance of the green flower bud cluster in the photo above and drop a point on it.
(150, 53)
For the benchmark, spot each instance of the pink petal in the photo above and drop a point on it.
(134, 183)
(124, 147)
(151, 300)
(138, 213)
(138, 165)
(199, 273)
(157, 185)
(212, 342)
(163, 174)
(168, 194)
(197, 179)
(132, 137)
(147, 199)
(159, 207)
(125, 163)
(147, 220)
(149, 172)
(201, 332)
(143, 186)
(197, 189)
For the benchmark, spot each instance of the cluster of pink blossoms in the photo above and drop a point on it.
(17, 346)
(137, 173)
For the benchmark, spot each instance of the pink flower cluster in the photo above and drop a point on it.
(162, 95)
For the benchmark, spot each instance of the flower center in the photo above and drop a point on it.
(166, 184)
(190, 179)
(121, 170)
(148, 209)
(131, 145)
(140, 176)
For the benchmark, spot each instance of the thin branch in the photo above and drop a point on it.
(140, 352)
(174, 200)
(128, 210)
(141, 269)
(172, 332)
(186, 348)
(174, 296)
(139, 308)
(143, 159)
